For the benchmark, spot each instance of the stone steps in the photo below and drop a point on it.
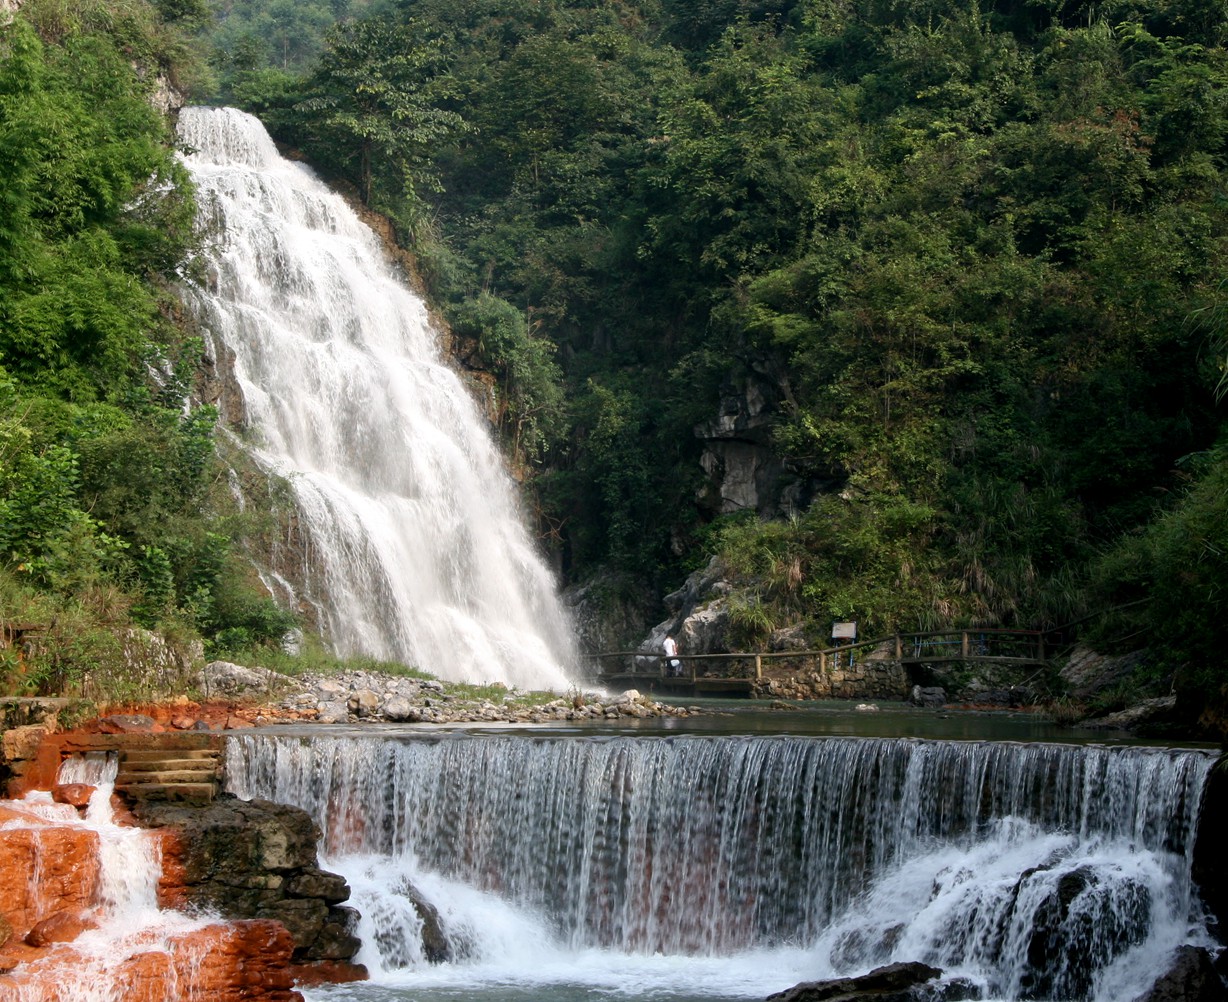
(199, 793)
(172, 761)
(134, 755)
(169, 774)
(183, 767)
(128, 779)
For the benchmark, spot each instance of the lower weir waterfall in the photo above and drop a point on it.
(414, 547)
(692, 866)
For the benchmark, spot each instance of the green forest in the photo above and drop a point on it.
(971, 254)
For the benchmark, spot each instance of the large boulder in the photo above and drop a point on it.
(699, 620)
(1087, 673)
(1190, 978)
(1148, 712)
(1061, 961)
(253, 860)
(60, 927)
(900, 982)
(224, 678)
(931, 696)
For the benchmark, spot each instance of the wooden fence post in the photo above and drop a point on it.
(963, 644)
(758, 667)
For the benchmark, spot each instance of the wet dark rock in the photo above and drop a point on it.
(930, 695)
(336, 940)
(1078, 929)
(436, 946)
(304, 917)
(901, 982)
(1190, 978)
(315, 883)
(254, 860)
(1208, 870)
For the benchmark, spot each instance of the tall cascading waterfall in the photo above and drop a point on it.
(1039, 871)
(416, 549)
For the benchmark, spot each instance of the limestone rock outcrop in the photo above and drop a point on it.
(744, 468)
(253, 860)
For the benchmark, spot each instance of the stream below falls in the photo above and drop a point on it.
(565, 865)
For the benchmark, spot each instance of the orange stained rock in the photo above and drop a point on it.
(73, 794)
(60, 927)
(172, 884)
(224, 962)
(44, 868)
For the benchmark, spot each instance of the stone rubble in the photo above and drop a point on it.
(359, 696)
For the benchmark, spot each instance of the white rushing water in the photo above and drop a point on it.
(415, 550)
(124, 917)
(700, 867)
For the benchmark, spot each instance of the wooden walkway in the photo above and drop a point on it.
(739, 673)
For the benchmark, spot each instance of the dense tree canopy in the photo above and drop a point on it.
(106, 480)
(972, 254)
(979, 247)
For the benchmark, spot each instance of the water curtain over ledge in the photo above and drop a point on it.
(1045, 871)
(415, 548)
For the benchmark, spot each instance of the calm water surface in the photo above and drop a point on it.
(827, 718)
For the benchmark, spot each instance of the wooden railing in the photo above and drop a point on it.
(1002, 646)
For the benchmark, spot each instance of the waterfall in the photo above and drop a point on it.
(121, 917)
(415, 549)
(1037, 871)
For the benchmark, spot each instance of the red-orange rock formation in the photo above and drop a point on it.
(44, 869)
(50, 877)
(327, 972)
(74, 794)
(60, 927)
(224, 962)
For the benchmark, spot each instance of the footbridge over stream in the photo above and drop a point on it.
(885, 667)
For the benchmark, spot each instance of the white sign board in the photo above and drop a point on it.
(844, 631)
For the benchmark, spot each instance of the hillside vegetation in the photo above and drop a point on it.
(972, 254)
(113, 505)
(976, 250)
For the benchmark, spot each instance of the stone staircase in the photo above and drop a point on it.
(183, 767)
(170, 774)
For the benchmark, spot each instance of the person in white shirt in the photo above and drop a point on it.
(671, 648)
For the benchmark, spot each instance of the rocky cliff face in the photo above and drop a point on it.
(253, 860)
(745, 470)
